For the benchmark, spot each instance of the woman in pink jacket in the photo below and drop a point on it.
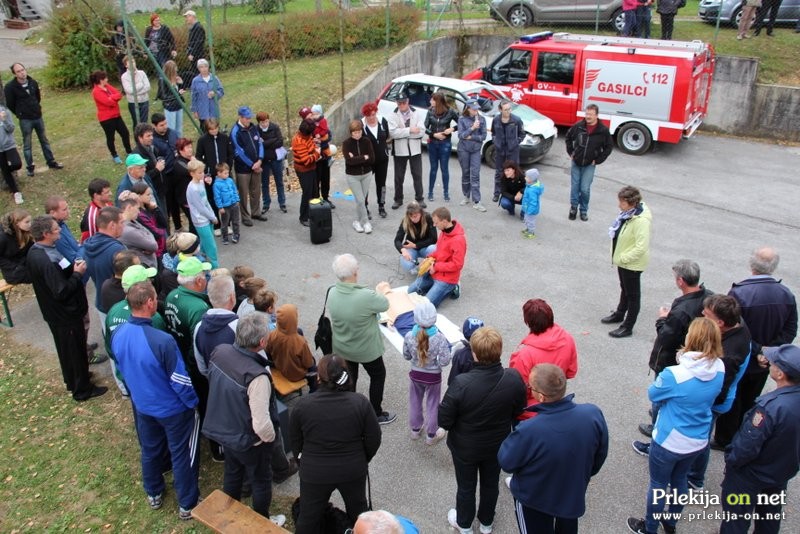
(107, 98)
(546, 343)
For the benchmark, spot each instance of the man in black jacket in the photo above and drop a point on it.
(195, 46)
(62, 301)
(508, 132)
(478, 409)
(589, 144)
(24, 99)
(156, 160)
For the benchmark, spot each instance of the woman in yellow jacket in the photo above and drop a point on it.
(630, 252)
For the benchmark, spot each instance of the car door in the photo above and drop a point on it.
(553, 86)
(554, 10)
(511, 72)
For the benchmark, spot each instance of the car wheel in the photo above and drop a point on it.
(618, 21)
(736, 17)
(488, 155)
(634, 138)
(520, 16)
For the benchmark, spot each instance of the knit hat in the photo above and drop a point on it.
(425, 314)
(470, 325)
(316, 108)
(135, 274)
(532, 174)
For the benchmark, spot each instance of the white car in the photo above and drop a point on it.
(540, 130)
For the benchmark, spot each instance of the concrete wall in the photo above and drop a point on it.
(738, 105)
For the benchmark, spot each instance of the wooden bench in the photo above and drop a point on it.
(5, 287)
(226, 515)
(285, 387)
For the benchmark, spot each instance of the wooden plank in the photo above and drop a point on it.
(221, 513)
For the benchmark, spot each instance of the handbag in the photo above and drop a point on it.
(323, 339)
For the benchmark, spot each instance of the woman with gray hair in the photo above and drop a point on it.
(206, 92)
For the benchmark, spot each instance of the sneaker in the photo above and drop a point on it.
(528, 235)
(641, 448)
(31, 170)
(184, 514)
(248, 223)
(636, 525)
(155, 501)
(452, 518)
(235, 238)
(368, 228)
(464, 201)
(279, 519)
(496, 197)
(97, 391)
(283, 209)
(695, 486)
(55, 165)
(646, 429)
(508, 482)
(484, 529)
(382, 212)
(584, 216)
(18, 198)
(217, 232)
(217, 453)
(415, 434)
(446, 198)
(97, 357)
(225, 241)
(117, 160)
(386, 418)
(478, 206)
(573, 212)
(436, 438)
(430, 198)
(397, 204)
(357, 227)
(422, 204)
(264, 210)
(668, 529)
(456, 292)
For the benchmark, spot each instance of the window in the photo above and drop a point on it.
(511, 67)
(554, 67)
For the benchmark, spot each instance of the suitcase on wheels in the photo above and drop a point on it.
(320, 221)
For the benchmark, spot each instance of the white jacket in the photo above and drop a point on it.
(406, 143)
(142, 86)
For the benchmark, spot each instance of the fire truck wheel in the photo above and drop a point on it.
(634, 138)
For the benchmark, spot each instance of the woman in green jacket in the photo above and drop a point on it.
(630, 252)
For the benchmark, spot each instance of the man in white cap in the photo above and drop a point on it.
(195, 47)
(248, 150)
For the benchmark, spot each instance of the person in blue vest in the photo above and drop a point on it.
(765, 454)
(248, 156)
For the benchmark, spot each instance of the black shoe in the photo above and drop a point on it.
(31, 170)
(584, 216)
(247, 223)
(397, 204)
(622, 331)
(668, 529)
(283, 209)
(636, 525)
(304, 223)
(264, 210)
(613, 318)
(646, 429)
(96, 392)
(55, 165)
(641, 448)
(422, 204)
(217, 453)
(260, 218)
(573, 212)
(716, 446)
(496, 197)
(382, 212)
(331, 204)
(283, 477)
(386, 418)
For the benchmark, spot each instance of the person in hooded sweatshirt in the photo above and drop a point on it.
(289, 350)
(99, 250)
(685, 394)
(546, 343)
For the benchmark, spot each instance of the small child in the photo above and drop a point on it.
(462, 351)
(200, 210)
(240, 274)
(322, 134)
(264, 302)
(226, 197)
(530, 202)
(288, 350)
(429, 351)
(251, 286)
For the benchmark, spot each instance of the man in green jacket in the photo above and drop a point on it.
(354, 313)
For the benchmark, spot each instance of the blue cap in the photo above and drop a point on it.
(470, 325)
(786, 358)
(246, 112)
(472, 103)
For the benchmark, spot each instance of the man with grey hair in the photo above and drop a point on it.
(673, 322)
(383, 522)
(242, 414)
(769, 310)
(354, 313)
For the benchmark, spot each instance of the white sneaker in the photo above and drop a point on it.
(508, 482)
(368, 228)
(357, 227)
(218, 232)
(415, 434)
(464, 202)
(478, 206)
(439, 436)
(485, 529)
(18, 198)
(280, 519)
(452, 518)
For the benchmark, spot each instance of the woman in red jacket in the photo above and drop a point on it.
(107, 98)
(306, 154)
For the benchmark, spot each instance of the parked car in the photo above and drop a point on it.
(789, 11)
(540, 130)
(521, 13)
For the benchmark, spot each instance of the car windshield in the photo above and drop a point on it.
(526, 113)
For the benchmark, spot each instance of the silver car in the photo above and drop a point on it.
(732, 11)
(521, 13)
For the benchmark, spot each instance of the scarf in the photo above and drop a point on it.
(622, 217)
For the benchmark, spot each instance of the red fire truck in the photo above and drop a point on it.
(647, 89)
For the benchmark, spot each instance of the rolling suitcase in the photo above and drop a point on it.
(320, 221)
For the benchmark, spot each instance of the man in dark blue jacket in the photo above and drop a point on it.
(550, 479)
(99, 250)
(765, 453)
(248, 150)
(508, 132)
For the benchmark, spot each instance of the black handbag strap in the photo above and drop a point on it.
(324, 306)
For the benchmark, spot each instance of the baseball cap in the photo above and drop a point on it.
(472, 103)
(245, 111)
(192, 267)
(135, 274)
(191, 13)
(786, 357)
(134, 159)
(304, 112)
(471, 324)
(402, 96)
(533, 174)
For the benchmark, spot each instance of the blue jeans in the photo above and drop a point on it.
(435, 290)
(411, 266)
(179, 434)
(276, 168)
(439, 156)
(508, 205)
(254, 464)
(697, 474)
(175, 121)
(144, 110)
(643, 17)
(28, 126)
(666, 469)
(630, 27)
(581, 185)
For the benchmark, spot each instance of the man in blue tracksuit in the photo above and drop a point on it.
(248, 150)
(164, 400)
(550, 479)
(765, 454)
